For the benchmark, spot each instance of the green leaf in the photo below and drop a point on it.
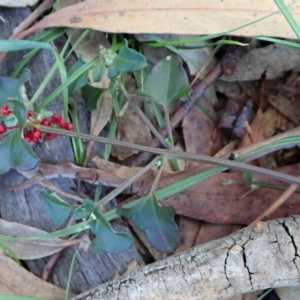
(9, 87)
(56, 209)
(91, 96)
(15, 153)
(20, 112)
(108, 240)
(98, 72)
(16, 45)
(166, 81)
(85, 210)
(81, 80)
(127, 60)
(155, 221)
(11, 121)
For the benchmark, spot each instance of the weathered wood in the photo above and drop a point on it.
(254, 258)
(25, 207)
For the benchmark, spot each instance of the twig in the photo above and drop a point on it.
(279, 201)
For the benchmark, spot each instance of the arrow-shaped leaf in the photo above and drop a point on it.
(9, 87)
(127, 60)
(108, 240)
(15, 153)
(166, 81)
(57, 210)
(155, 221)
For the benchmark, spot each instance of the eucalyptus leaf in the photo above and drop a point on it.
(155, 221)
(15, 153)
(166, 81)
(127, 60)
(56, 209)
(107, 239)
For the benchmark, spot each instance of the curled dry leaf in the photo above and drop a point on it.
(99, 118)
(15, 280)
(132, 129)
(29, 249)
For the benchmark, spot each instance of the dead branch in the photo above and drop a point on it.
(253, 258)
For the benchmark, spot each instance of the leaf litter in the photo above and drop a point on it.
(216, 200)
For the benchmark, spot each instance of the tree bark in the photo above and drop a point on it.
(253, 258)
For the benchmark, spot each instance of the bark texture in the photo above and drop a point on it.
(250, 259)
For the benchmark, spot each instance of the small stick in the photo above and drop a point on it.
(280, 200)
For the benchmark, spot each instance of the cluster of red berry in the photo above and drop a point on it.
(34, 135)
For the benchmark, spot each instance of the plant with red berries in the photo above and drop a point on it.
(31, 134)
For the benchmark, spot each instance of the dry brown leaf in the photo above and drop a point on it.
(132, 129)
(188, 230)
(15, 280)
(212, 202)
(289, 107)
(29, 249)
(198, 131)
(209, 232)
(173, 16)
(274, 59)
(99, 118)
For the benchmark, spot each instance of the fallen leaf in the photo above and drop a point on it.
(198, 129)
(212, 202)
(209, 232)
(99, 118)
(274, 59)
(171, 16)
(289, 107)
(188, 231)
(15, 280)
(29, 249)
(131, 129)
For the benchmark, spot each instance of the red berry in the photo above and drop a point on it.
(2, 129)
(36, 134)
(34, 140)
(69, 126)
(50, 136)
(4, 110)
(30, 114)
(27, 137)
(56, 118)
(46, 122)
(62, 123)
